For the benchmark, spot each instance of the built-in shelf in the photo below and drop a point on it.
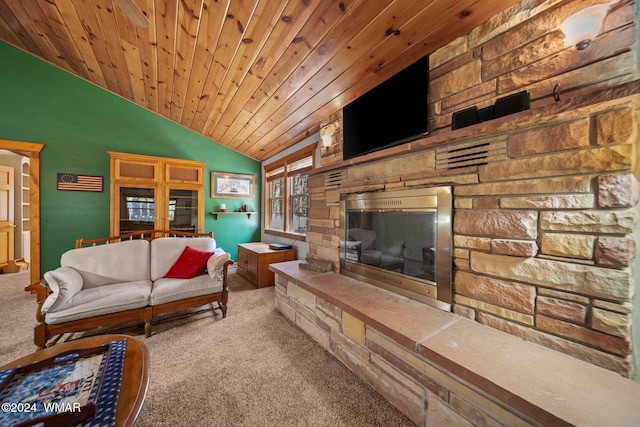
(25, 214)
(215, 214)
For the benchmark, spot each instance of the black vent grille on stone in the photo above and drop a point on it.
(476, 153)
(335, 179)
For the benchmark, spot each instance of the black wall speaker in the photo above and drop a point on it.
(511, 104)
(486, 114)
(464, 118)
(503, 107)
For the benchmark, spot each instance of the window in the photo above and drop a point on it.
(286, 190)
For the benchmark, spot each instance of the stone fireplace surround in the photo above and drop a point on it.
(544, 248)
(543, 227)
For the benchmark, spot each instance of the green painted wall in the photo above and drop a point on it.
(79, 123)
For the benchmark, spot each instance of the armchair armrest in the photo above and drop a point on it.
(225, 267)
(217, 262)
(42, 291)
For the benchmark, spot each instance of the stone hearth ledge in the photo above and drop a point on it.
(544, 385)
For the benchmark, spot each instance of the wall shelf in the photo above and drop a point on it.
(215, 214)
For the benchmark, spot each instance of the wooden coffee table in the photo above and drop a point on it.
(135, 372)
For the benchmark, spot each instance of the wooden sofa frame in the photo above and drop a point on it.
(43, 332)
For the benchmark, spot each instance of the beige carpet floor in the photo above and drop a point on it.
(253, 368)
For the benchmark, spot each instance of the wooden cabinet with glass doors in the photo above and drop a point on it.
(158, 193)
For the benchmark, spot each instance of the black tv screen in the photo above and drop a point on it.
(392, 113)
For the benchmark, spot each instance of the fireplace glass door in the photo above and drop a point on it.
(402, 242)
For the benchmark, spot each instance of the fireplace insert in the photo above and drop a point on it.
(400, 241)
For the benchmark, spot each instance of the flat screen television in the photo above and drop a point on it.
(392, 113)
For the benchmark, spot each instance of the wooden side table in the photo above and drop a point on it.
(254, 260)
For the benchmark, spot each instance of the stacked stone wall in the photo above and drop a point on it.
(544, 231)
(423, 392)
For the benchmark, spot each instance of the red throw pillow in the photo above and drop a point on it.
(189, 264)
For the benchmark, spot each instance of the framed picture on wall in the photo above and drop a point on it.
(232, 185)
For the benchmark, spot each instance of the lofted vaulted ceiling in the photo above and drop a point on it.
(254, 75)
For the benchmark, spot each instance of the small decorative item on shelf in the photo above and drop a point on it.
(223, 208)
(243, 208)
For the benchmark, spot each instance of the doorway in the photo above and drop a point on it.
(30, 150)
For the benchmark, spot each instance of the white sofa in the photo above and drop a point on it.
(139, 279)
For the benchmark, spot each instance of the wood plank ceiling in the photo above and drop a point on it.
(254, 75)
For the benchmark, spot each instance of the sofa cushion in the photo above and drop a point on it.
(126, 261)
(169, 290)
(101, 300)
(166, 250)
(64, 283)
(189, 264)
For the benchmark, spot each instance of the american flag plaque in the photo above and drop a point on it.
(74, 182)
